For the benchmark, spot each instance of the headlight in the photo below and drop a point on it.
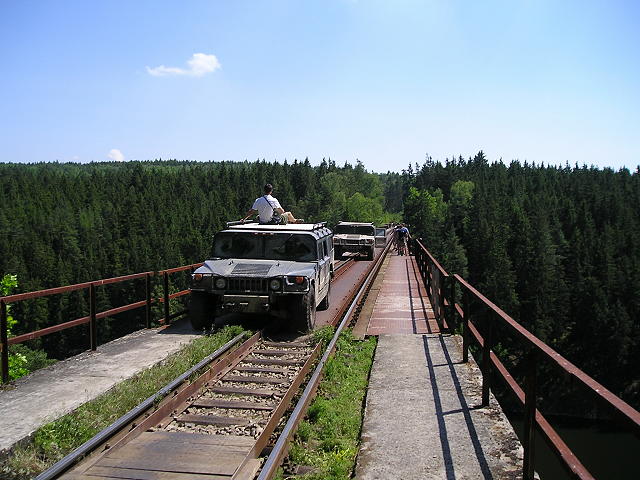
(296, 284)
(274, 284)
(221, 283)
(197, 277)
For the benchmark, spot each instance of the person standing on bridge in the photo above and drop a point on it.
(402, 237)
(269, 210)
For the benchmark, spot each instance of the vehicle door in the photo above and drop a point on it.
(381, 237)
(324, 267)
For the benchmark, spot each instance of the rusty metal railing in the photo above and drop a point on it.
(93, 316)
(477, 310)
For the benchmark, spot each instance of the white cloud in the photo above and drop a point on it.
(116, 155)
(200, 64)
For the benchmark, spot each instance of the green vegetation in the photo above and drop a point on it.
(63, 224)
(22, 359)
(328, 439)
(58, 438)
(556, 248)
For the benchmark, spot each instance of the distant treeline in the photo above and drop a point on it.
(558, 249)
(62, 224)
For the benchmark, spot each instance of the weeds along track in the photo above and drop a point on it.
(217, 425)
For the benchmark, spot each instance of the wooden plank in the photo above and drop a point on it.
(194, 438)
(233, 404)
(274, 353)
(166, 456)
(252, 379)
(212, 420)
(285, 345)
(272, 361)
(244, 391)
(106, 473)
(261, 370)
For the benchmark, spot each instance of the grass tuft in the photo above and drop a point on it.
(329, 437)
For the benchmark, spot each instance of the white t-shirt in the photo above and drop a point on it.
(265, 206)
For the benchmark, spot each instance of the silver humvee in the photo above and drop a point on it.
(280, 270)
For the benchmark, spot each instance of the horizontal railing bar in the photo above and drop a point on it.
(617, 403)
(180, 269)
(74, 323)
(46, 331)
(433, 260)
(551, 436)
(70, 288)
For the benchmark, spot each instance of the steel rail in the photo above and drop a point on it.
(68, 461)
(277, 453)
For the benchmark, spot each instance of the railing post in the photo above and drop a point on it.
(93, 327)
(4, 342)
(466, 317)
(452, 320)
(166, 298)
(147, 309)
(530, 417)
(486, 358)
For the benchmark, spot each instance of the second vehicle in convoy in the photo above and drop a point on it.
(356, 237)
(281, 270)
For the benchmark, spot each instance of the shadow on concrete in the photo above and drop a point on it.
(464, 409)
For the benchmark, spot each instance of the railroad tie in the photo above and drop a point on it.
(232, 404)
(273, 361)
(244, 391)
(282, 371)
(252, 379)
(217, 420)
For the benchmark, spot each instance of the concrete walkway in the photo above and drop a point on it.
(52, 392)
(423, 418)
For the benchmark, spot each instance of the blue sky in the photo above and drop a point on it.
(385, 82)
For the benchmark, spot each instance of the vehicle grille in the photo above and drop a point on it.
(253, 285)
(251, 269)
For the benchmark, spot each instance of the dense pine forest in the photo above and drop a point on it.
(62, 224)
(556, 248)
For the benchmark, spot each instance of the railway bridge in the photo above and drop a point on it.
(444, 354)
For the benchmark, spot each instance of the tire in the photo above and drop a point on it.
(303, 312)
(337, 253)
(201, 310)
(324, 304)
(371, 253)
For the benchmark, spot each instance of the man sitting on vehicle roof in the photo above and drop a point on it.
(269, 210)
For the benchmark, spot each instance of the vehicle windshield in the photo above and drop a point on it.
(271, 246)
(355, 229)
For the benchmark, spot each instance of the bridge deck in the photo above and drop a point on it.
(402, 305)
(423, 418)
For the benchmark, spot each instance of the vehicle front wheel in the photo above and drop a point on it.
(303, 312)
(201, 310)
(371, 253)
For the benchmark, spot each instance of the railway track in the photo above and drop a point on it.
(220, 424)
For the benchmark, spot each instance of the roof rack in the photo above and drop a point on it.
(294, 226)
(240, 222)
